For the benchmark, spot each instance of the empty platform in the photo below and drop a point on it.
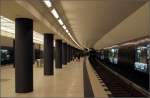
(66, 82)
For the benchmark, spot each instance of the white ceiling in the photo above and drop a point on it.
(44, 22)
(137, 25)
(90, 20)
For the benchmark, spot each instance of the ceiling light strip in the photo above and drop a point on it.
(55, 14)
(48, 3)
(64, 27)
(60, 22)
(67, 31)
(74, 40)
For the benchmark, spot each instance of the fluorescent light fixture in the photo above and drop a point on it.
(64, 27)
(48, 3)
(55, 14)
(74, 40)
(67, 31)
(60, 21)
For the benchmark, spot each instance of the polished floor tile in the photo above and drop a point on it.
(66, 82)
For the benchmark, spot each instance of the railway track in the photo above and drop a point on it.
(115, 85)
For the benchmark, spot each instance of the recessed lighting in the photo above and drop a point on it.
(64, 27)
(55, 14)
(48, 3)
(60, 21)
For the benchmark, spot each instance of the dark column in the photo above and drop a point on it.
(58, 54)
(14, 52)
(39, 49)
(34, 53)
(68, 53)
(23, 55)
(65, 53)
(48, 54)
(71, 54)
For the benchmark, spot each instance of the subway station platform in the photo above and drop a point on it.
(43, 40)
(66, 82)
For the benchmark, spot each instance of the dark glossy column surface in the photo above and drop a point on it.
(34, 53)
(71, 54)
(58, 54)
(68, 55)
(23, 55)
(48, 54)
(14, 52)
(63, 53)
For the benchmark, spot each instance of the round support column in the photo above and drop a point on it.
(58, 54)
(48, 54)
(67, 53)
(23, 55)
(63, 53)
(14, 53)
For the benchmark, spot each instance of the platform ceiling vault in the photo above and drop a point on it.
(44, 22)
(92, 22)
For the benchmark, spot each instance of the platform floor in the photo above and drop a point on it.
(66, 82)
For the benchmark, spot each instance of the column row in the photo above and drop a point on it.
(63, 53)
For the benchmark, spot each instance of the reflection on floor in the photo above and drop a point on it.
(66, 82)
